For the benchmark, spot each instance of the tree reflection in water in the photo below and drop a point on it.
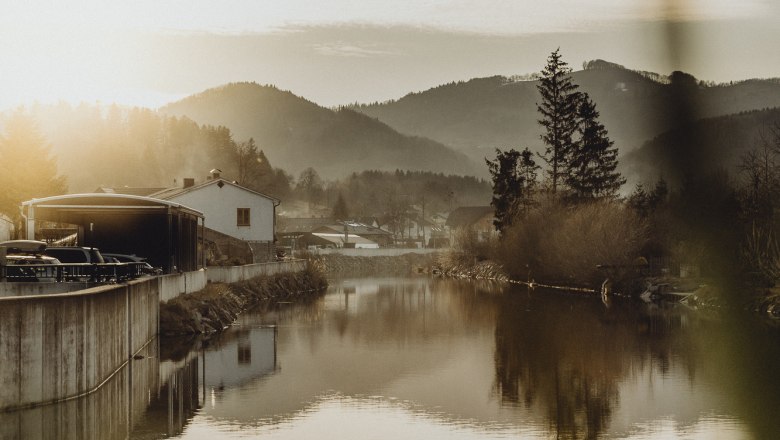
(567, 355)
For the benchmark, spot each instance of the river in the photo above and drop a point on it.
(425, 358)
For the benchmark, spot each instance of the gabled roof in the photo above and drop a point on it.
(170, 193)
(468, 215)
(296, 225)
(352, 228)
(338, 239)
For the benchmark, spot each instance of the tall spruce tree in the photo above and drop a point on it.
(514, 181)
(340, 209)
(592, 167)
(559, 116)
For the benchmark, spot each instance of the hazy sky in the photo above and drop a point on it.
(148, 52)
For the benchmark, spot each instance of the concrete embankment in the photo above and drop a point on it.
(218, 305)
(58, 347)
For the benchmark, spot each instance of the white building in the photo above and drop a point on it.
(229, 208)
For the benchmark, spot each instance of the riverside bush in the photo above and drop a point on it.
(555, 242)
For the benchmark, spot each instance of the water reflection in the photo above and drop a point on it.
(567, 355)
(427, 358)
(109, 413)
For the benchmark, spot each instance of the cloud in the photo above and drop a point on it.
(345, 49)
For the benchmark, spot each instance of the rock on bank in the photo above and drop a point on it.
(218, 305)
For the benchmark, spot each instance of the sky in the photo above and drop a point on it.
(334, 52)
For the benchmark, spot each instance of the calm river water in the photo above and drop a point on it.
(423, 358)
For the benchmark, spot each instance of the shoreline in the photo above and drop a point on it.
(215, 307)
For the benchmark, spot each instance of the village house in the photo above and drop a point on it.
(240, 222)
(374, 234)
(302, 233)
(476, 218)
(232, 210)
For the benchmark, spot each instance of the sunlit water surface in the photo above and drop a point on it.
(425, 358)
(434, 359)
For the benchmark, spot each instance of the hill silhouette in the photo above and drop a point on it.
(296, 133)
(481, 114)
(717, 143)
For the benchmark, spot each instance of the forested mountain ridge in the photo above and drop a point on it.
(296, 133)
(717, 143)
(481, 114)
(119, 146)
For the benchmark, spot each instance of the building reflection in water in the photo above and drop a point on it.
(155, 395)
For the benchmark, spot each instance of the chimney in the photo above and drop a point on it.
(215, 173)
(189, 182)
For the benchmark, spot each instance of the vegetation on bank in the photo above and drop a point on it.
(574, 228)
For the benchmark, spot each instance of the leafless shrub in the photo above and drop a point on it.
(761, 254)
(467, 248)
(556, 242)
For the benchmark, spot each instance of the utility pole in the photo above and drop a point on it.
(423, 222)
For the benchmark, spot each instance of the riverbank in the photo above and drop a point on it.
(458, 267)
(216, 306)
(337, 265)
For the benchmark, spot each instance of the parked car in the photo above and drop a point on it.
(31, 268)
(74, 254)
(124, 258)
(23, 246)
(21, 260)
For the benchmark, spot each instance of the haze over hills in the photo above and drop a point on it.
(479, 115)
(295, 133)
(716, 144)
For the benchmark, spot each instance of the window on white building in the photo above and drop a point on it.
(242, 216)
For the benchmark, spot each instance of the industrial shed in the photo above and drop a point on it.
(164, 232)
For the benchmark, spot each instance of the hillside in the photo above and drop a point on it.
(296, 134)
(478, 115)
(137, 147)
(715, 143)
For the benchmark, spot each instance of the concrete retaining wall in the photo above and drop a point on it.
(110, 413)
(27, 288)
(55, 347)
(177, 284)
(234, 274)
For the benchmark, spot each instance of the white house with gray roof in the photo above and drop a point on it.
(240, 222)
(228, 207)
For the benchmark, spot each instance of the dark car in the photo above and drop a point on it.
(144, 266)
(73, 254)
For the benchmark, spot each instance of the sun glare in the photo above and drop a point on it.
(91, 50)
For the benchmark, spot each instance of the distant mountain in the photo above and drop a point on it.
(479, 115)
(714, 143)
(296, 133)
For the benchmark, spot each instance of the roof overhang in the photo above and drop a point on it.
(103, 203)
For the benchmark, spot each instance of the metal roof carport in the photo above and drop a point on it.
(165, 233)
